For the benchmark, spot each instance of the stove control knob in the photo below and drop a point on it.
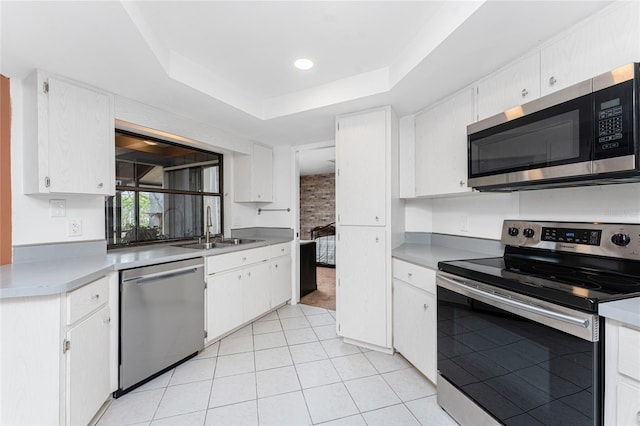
(620, 239)
(528, 232)
(513, 232)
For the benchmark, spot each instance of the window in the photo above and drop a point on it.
(163, 192)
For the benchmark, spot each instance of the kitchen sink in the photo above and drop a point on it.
(236, 241)
(226, 242)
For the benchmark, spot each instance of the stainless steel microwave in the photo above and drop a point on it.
(584, 134)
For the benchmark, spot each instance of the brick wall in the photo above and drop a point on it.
(317, 202)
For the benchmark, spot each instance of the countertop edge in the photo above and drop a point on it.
(626, 311)
(111, 262)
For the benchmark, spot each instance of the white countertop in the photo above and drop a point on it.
(626, 311)
(62, 275)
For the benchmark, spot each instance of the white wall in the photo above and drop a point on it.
(486, 211)
(33, 224)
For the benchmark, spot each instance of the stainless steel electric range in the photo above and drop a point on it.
(520, 341)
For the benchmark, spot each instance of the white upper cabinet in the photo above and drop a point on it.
(511, 86)
(361, 156)
(441, 146)
(69, 137)
(253, 175)
(599, 44)
(407, 154)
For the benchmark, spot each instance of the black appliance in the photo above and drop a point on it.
(584, 134)
(308, 282)
(519, 336)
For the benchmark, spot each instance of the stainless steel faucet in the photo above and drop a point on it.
(209, 225)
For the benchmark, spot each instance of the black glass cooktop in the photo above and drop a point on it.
(568, 281)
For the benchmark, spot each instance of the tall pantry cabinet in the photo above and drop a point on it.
(370, 223)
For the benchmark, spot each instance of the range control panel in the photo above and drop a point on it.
(602, 239)
(571, 235)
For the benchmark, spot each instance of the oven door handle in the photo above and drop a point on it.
(512, 302)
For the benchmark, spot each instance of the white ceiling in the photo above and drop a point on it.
(228, 63)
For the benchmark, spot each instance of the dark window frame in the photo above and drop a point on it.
(115, 223)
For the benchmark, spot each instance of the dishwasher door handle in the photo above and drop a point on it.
(165, 274)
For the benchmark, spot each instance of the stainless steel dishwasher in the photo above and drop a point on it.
(161, 319)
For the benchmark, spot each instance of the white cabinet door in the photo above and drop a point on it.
(253, 175)
(69, 141)
(599, 44)
(363, 291)
(361, 152)
(280, 280)
(263, 173)
(81, 139)
(414, 326)
(256, 293)
(511, 86)
(441, 146)
(88, 367)
(224, 303)
(628, 403)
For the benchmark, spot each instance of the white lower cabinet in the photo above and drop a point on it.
(224, 303)
(622, 374)
(280, 280)
(414, 316)
(55, 357)
(363, 294)
(244, 285)
(256, 291)
(87, 377)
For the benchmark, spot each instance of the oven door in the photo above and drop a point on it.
(521, 360)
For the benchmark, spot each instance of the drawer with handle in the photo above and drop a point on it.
(280, 250)
(237, 259)
(421, 277)
(87, 299)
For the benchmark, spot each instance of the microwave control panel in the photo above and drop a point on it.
(613, 120)
(610, 124)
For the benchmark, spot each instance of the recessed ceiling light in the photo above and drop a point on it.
(303, 64)
(151, 143)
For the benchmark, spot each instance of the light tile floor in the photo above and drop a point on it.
(287, 368)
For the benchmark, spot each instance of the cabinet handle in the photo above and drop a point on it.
(244, 259)
(107, 320)
(377, 240)
(276, 265)
(282, 250)
(248, 274)
(409, 274)
(524, 93)
(552, 81)
(239, 277)
(100, 185)
(95, 297)
(377, 218)
(461, 183)
(425, 306)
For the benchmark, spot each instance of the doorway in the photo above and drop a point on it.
(317, 225)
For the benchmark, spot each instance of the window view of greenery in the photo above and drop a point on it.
(162, 192)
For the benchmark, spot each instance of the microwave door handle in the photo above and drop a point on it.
(558, 316)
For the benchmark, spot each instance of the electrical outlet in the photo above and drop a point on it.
(75, 227)
(58, 208)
